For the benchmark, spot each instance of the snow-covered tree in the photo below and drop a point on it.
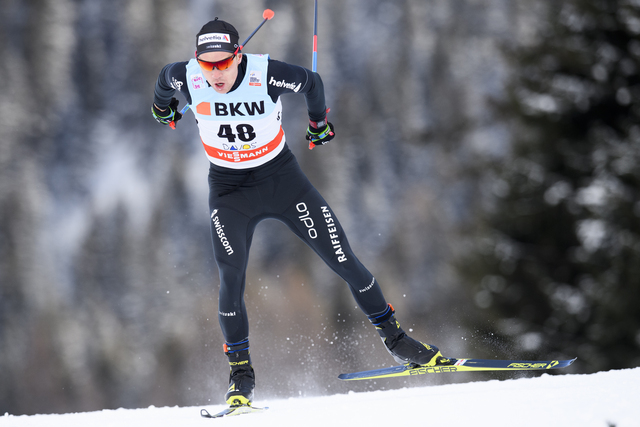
(560, 246)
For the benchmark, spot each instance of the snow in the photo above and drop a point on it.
(602, 399)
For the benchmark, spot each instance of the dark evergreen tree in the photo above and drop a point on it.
(560, 251)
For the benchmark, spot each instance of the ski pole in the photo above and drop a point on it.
(266, 15)
(314, 64)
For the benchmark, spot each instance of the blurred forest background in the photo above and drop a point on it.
(485, 169)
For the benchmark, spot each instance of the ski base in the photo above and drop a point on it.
(458, 365)
(232, 410)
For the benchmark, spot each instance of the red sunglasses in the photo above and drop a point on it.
(220, 65)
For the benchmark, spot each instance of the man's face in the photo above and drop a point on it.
(221, 81)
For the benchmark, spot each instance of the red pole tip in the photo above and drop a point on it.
(268, 14)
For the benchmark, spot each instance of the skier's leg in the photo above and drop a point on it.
(231, 234)
(231, 238)
(313, 221)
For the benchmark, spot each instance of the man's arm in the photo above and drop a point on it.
(172, 77)
(285, 78)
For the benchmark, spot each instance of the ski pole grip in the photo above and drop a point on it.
(172, 125)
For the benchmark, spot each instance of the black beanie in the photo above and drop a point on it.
(217, 36)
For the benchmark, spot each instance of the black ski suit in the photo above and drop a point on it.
(240, 198)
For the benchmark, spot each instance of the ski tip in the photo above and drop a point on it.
(268, 14)
(233, 411)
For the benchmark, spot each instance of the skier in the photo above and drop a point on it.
(253, 175)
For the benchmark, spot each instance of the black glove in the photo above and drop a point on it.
(169, 116)
(319, 135)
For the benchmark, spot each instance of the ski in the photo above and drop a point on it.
(458, 365)
(232, 410)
